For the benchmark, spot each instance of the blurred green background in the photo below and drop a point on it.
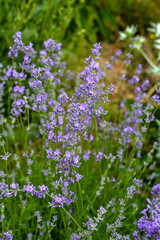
(75, 23)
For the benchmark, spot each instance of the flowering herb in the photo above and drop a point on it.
(69, 169)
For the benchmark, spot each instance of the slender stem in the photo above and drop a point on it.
(35, 237)
(81, 198)
(75, 221)
(49, 221)
(64, 222)
(147, 58)
(104, 175)
(2, 218)
(96, 143)
(23, 131)
(26, 138)
(151, 91)
(75, 187)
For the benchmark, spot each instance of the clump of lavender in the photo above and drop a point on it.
(6, 235)
(68, 168)
(149, 223)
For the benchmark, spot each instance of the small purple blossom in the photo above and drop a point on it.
(29, 189)
(6, 235)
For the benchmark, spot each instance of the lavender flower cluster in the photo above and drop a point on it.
(64, 162)
(149, 223)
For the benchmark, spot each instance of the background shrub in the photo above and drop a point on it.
(72, 22)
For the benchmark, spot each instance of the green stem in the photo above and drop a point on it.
(151, 91)
(75, 222)
(26, 138)
(77, 202)
(81, 199)
(154, 67)
(64, 223)
(147, 59)
(35, 237)
(49, 222)
(104, 175)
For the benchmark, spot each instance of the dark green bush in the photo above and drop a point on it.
(72, 22)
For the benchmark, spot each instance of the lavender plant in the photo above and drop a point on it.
(149, 224)
(69, 169)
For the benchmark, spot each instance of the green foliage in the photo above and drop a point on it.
(71, 22)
